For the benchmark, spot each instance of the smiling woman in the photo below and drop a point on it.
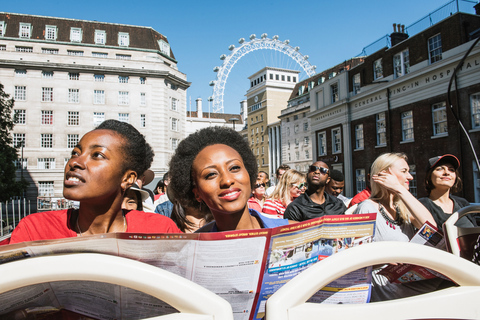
(103, 165)
(215, 167)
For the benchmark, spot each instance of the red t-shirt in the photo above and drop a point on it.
(56, 225)
(359, 197)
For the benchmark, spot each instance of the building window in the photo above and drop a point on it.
(123, 39)
(123, 117)
(23, 49)
(20, 73)
(20, 93)
(49, 51)
(174, 124)
(143, 99)
(306, 141)
(73, 118)
(475, 103)
(72, 140)
(73, 76)
(322, 144)
(123, 98)
(435, 48)
(75, 35)
(143, 80)
(100, 37)
(46, 140)
(336, 140)
(75, 53)
(47, 117)
(377, 69)
(98, 117)
(99, 96)
(174, 143)
(123, 57)
(381, 128)
(2, 28)
(359, 142)
(47, 74)
(356, 83)
(360, 180)
(18, 140)
(46, 163)
(100, 55)
(164, 47)
(47, 94)
(3, 47)
(142, 121)
(401, 64)
(45, 189)
(334, 92)
(25, 30)
(20, 116)
(122, 79)
(413, 183)
(99, 78)
(21, 163)
(174, 105)
(407, 126)
(439, 114)
(307, 154)
(73, 95)
(297, 155)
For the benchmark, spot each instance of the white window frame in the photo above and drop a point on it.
(143, 99)
(98, 96)
(381, 128)
(74, 76)
(73, 118)
(72, 140)
(175, 142)
(322, 143)
(18, 140)
(123, 39)
(123, 117)
(73, 95)
(142, 80)
(164, 47)
(2, 28)
(174, 106)
(102, 55)
(99, 77)
(49, 50)
(360, 180)
(47, 94)
(123, 98)
(439, 109)
(174, 124)
(46, 189)
(336, 140)
(356, 83)
(47, 117)
(100, 37)
(334, 92)
(20, 93)
(20, 116)
(143, 120)
(98, 118)
(435, 48)
(76, 35)
(20, 72)
(46, 141)
(123, 79)
(23, 49)
(47, 74)
(359, 137)
(377, 69)
(475, 109)
(119, 56)
(77, 53)
(46, 163)
(25, 30)
(401, 63)
(50, 32)
(413, 185)
(407, 126)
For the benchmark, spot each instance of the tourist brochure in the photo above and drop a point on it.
(243, 267)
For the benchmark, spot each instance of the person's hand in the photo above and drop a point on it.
(389, 181)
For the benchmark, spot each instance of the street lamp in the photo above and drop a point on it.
(233, 120)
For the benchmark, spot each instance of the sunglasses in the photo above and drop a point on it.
(300, 186)
(321, 169)
(258, 185)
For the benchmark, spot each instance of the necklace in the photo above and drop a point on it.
(124, 226)
(390, 222)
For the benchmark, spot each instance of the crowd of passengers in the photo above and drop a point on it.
(213, 185)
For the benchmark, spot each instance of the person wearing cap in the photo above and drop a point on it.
(134, 197)
(144, 180)
(442, 179)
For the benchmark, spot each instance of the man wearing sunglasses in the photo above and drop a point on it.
(315, 202)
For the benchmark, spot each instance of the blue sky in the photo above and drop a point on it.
(328, 31)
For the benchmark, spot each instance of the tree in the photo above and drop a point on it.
(9, 186)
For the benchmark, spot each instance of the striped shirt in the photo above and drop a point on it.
(273, 208)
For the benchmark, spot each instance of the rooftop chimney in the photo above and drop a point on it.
(199, 108)
(398, 36)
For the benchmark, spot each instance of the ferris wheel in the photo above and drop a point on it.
(254, 44)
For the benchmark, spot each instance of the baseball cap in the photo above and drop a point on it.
(448, 158)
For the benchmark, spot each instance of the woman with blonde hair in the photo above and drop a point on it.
(399, 213)
(291, 185)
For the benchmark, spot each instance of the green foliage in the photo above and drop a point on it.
(9, 186)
